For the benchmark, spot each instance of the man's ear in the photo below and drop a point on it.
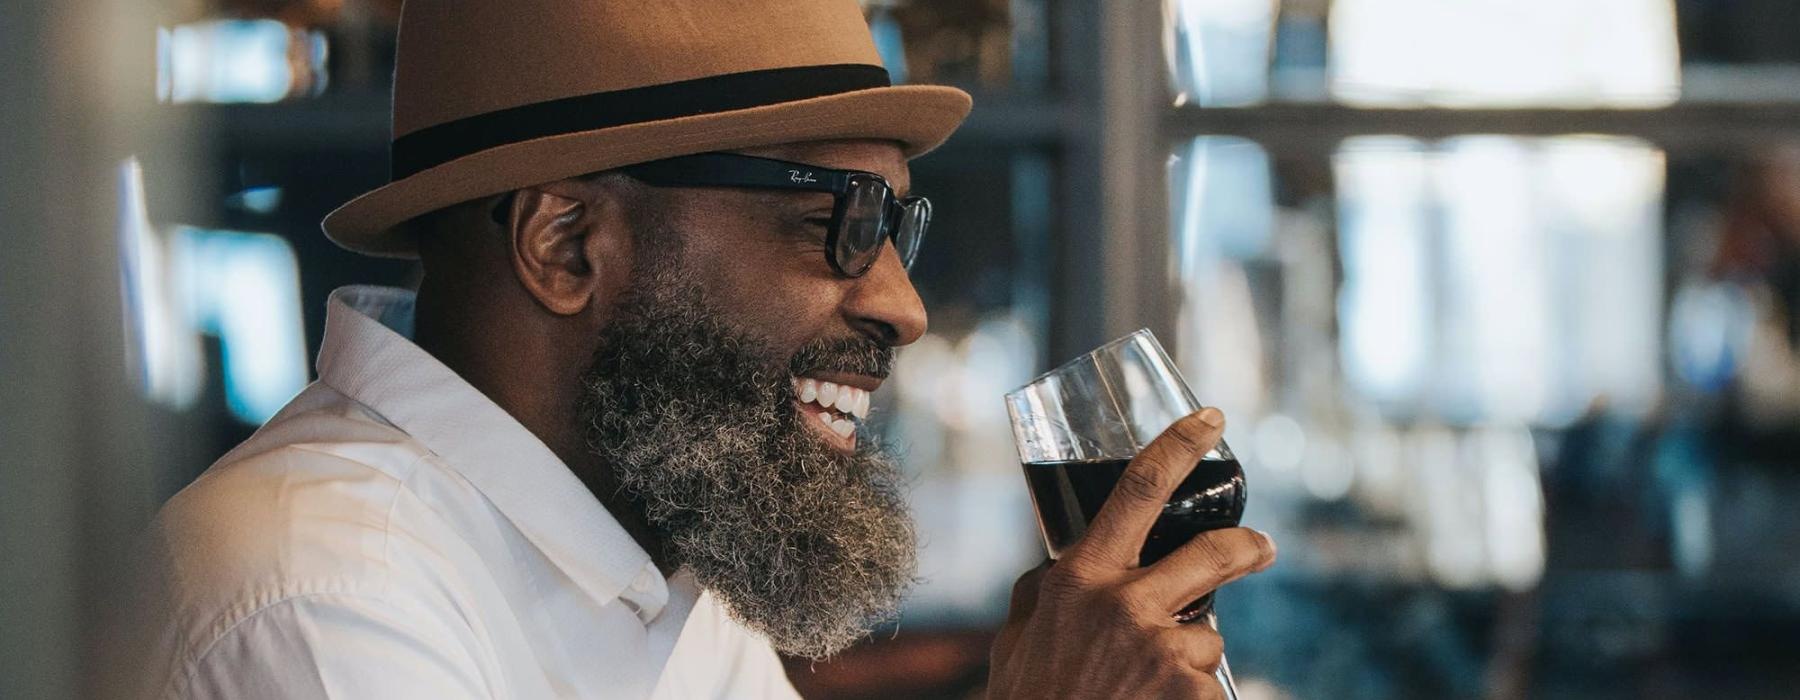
(569, 245)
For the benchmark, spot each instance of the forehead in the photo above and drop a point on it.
(880, 157)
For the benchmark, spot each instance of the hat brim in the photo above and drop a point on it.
(919, 117)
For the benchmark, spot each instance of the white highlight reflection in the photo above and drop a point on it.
(259, 60)
(1504, 53)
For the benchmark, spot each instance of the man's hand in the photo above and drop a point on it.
(1095, 624)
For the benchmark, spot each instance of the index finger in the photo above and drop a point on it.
(1118, 531)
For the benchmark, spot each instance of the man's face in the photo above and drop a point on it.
(760, 255)
(694, 401)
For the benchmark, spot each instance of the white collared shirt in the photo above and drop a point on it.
(392, 533)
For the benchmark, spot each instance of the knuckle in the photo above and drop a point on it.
(1233, 550)
(1064, 580)
(1168, 653)
(1209, 650)
(1060, 577)
(1248, 546)
(1200, 650)
(1187, 434)
(1218, 557)
(1115, 603)
(1143, 484)
(1131, 601)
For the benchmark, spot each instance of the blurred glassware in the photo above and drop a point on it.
(1710, 326)
(1501, 278)
(1224, 203)
(1222, 210)
(1218, 51)
(243, 288)
(238, 287)
(231, 60)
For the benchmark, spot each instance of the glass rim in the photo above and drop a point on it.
(1089, 355)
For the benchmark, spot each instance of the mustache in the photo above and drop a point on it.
(849, 355)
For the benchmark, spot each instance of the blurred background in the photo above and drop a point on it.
(1502, 298)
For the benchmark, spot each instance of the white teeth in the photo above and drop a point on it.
(843, 427)
(847, 403)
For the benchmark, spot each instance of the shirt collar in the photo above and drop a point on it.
(367, 356)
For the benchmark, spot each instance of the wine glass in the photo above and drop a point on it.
(1079, 425)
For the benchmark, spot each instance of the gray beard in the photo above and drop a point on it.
(805, 544)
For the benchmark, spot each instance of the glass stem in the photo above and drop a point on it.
(1224, 673)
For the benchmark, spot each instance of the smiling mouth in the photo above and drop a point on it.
(834, 410)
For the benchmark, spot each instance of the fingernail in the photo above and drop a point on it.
(1213, 417)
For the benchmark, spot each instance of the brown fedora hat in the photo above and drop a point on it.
(495, 96)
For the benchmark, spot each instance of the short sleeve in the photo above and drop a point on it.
(335, 646)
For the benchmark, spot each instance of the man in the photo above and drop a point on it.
(613, 446)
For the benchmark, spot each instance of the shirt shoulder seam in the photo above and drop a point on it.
(341, 587)
(402, 485)
(178, 683)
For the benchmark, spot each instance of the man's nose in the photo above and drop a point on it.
(883, 305)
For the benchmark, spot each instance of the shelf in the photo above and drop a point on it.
(1005, 119)
(359, 122)
(1312, 129)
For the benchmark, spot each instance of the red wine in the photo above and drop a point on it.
(1069, 494)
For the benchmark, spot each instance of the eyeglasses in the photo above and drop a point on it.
(865, 213)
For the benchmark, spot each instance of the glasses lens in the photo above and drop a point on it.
(860, 233)
(915, 217)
